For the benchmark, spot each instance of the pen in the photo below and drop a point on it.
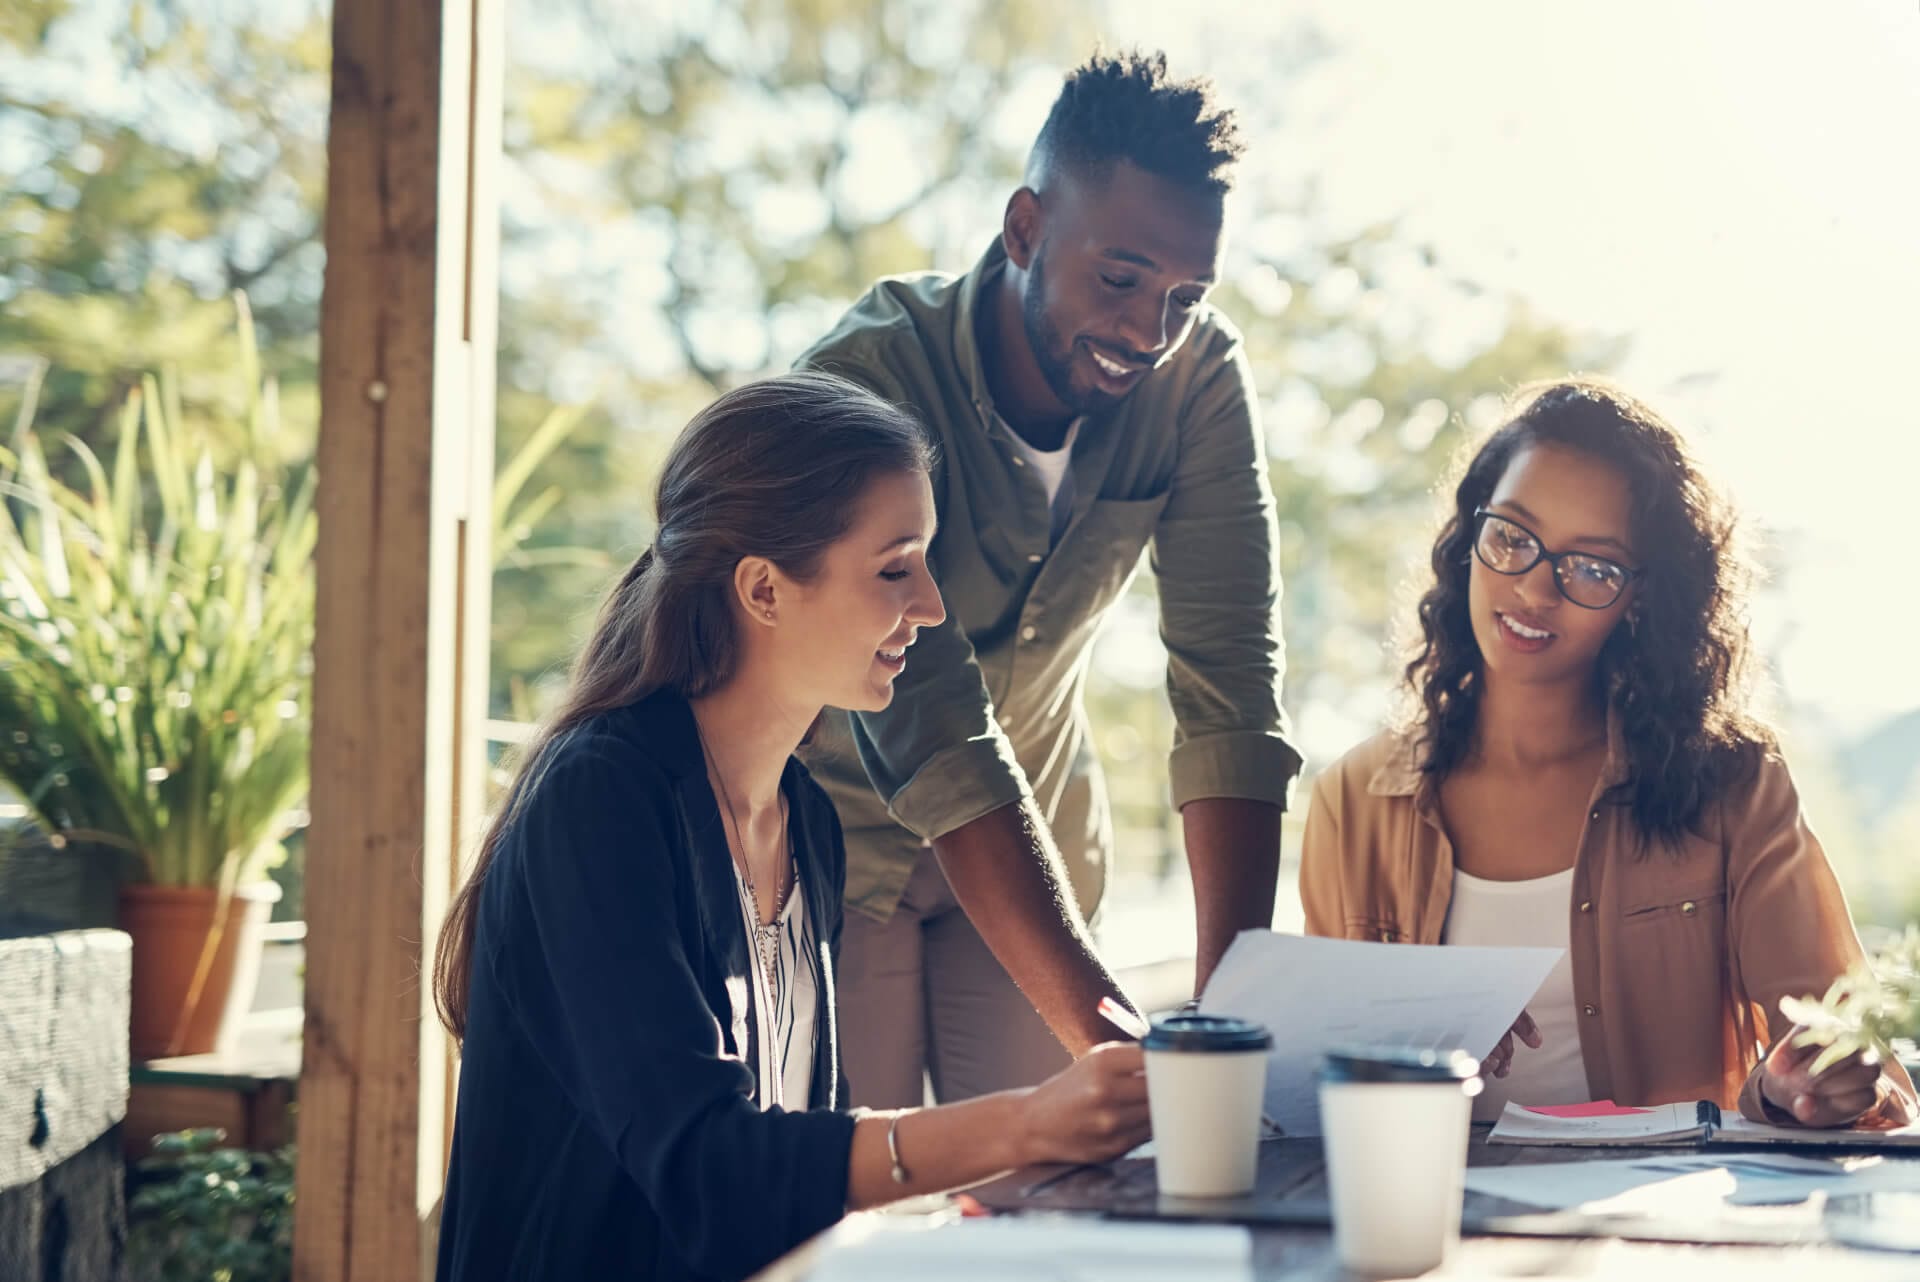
(1123, 1019)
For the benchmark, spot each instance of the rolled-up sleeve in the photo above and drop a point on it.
(935, 753)
(1216, 560)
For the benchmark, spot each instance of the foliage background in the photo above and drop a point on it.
(695, 188)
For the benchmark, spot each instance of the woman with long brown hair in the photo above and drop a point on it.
(1582, 771)
(641, 965)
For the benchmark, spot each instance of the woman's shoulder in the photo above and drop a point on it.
(1384, 764)
(1755, 782)
(594, 755)
(591, 770)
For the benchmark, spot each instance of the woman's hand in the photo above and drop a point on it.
(1836, 1097)
(1090, 1112)
(1500, 1059)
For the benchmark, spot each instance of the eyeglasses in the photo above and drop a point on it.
(1507, 547)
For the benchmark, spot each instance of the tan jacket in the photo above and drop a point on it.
(1680, 959)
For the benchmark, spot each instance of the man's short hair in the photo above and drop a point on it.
(1124, 106)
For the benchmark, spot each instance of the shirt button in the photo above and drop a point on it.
(1689, 908)
(1029, 633)
(1035, 557)
(1590, 1010)
(1018, 461)
(1586, 905)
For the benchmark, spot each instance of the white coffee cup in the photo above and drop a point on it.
(1395, 1127)
(1206, 1077)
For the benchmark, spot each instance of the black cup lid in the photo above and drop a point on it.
(1195, 1032)
(1398, 1064)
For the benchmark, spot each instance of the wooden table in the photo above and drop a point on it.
(1292, 1188)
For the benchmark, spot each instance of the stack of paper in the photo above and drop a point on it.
(1604, 1123)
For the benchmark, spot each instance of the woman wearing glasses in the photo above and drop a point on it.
(1581, 770)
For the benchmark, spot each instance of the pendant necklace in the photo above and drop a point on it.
(765, 935)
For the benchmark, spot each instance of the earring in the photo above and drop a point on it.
(1633, 621)
(769, 616)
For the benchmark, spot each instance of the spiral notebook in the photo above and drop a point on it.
(1603, 1123)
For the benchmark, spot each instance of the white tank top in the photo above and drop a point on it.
(1526, 914)
(1054, 468)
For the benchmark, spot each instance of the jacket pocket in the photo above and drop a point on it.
(1104, 548)
(1377, 930)
(1701, 903)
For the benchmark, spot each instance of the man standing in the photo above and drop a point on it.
(1087, 400)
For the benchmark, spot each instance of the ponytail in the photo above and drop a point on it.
(774, 469)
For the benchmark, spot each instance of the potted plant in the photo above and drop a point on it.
(156, 625)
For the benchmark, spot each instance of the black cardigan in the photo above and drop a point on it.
(605, 1127)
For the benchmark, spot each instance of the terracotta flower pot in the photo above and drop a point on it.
(189, 987)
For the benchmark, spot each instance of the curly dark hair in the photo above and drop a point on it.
(1679, 679)
(1124, 106)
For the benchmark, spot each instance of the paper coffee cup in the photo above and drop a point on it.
(1395, 1128)
(1206, 1077)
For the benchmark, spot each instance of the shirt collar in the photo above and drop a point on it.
(966, 342)
(1399, 774)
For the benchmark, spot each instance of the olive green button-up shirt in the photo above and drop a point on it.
(989, 709)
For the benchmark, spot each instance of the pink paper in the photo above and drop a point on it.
(1598, 1108)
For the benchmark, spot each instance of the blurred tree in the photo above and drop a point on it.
(151, 163)
(770, 158)
(695, 189)
(752, 165)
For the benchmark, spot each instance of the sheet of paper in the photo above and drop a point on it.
(1689, 1185)
(1318, 994)
(1041, 1249)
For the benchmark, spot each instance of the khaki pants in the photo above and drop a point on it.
(921, 996)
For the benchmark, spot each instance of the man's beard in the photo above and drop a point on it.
(1051, 350)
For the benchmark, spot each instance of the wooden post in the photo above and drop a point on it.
(407, 340)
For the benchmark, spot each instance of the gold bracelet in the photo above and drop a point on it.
(900, 1175)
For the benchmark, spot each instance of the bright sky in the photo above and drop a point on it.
(1735, 187)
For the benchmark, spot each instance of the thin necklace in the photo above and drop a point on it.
(766, 935)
